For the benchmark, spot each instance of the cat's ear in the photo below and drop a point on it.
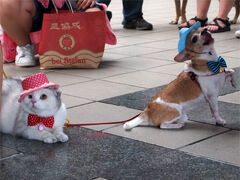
(57, 93)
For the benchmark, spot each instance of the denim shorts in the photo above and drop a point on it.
(40, 10)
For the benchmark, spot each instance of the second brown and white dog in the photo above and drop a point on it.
(196, 83)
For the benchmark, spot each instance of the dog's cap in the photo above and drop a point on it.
(183, 35)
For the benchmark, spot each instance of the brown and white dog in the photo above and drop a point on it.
(196, 83)
(180, 12)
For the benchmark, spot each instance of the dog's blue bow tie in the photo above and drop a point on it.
(215, 66)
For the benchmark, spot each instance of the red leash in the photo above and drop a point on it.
(92, 124)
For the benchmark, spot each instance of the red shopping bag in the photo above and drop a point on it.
(72, 40)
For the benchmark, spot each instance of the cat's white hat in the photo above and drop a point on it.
(35, 82)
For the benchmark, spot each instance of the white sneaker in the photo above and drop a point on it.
(237, 33)
(25, 56)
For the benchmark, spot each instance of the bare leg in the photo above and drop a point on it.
(16, 19)
(224, 8)
(202, 9)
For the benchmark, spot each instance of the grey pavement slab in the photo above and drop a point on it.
(174, 139)
(225, 147)
(90, 155)
(6, 152)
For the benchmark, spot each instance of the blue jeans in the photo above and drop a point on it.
(131, 8)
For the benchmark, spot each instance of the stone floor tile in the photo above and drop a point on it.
(161, 45)
(142, 79)
(133, 50)
(172, 69)
(139, 63)
(167, 55)
(231, 98)
(64, 79)
(104, 71)
(98, 90)
(100, 112)
(233, 53)
(173, 139)
(224, 147)
(113, 57)
(71, 101)
(13, 71)
(134, 40)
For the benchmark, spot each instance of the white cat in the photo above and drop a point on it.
(21, 118)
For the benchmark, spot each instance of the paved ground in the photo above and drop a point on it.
(132, 72)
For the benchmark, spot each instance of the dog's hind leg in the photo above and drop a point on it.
(135, 122)
(178, 12)
(176, 123)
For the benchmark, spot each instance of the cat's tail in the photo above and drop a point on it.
(135, 122)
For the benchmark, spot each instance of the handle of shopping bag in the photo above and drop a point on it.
(68, 4)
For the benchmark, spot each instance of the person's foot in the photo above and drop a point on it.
(192, 21)
(138, 23)
(25, 56)
(218, 25)
(237, 34)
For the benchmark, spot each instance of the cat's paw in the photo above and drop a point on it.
(221, 122)
(62, 137)
(50, 139)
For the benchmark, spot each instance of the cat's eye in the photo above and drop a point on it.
(194, 39)
(30, 96)
(43, 97)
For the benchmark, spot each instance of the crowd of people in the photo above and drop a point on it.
(26, 16)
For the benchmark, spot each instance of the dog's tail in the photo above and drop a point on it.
(135, 122)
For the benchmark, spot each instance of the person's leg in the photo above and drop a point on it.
(16, 19)
(132, 9)
(202, 9)
(224, 8)
(133, 16)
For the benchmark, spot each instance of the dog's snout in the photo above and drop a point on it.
(204, 31)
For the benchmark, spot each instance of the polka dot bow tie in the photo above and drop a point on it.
(33, 120)
(215, 66)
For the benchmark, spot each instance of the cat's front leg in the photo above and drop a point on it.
(45, 136)
(60, 135)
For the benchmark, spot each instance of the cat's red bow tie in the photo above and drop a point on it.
(33, 120)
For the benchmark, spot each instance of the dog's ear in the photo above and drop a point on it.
(182, 56)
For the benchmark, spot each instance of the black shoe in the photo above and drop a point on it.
(138, 23)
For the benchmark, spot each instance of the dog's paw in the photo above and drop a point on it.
(221, 122)
(62, 137)
(127, 127)
(50, 139)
